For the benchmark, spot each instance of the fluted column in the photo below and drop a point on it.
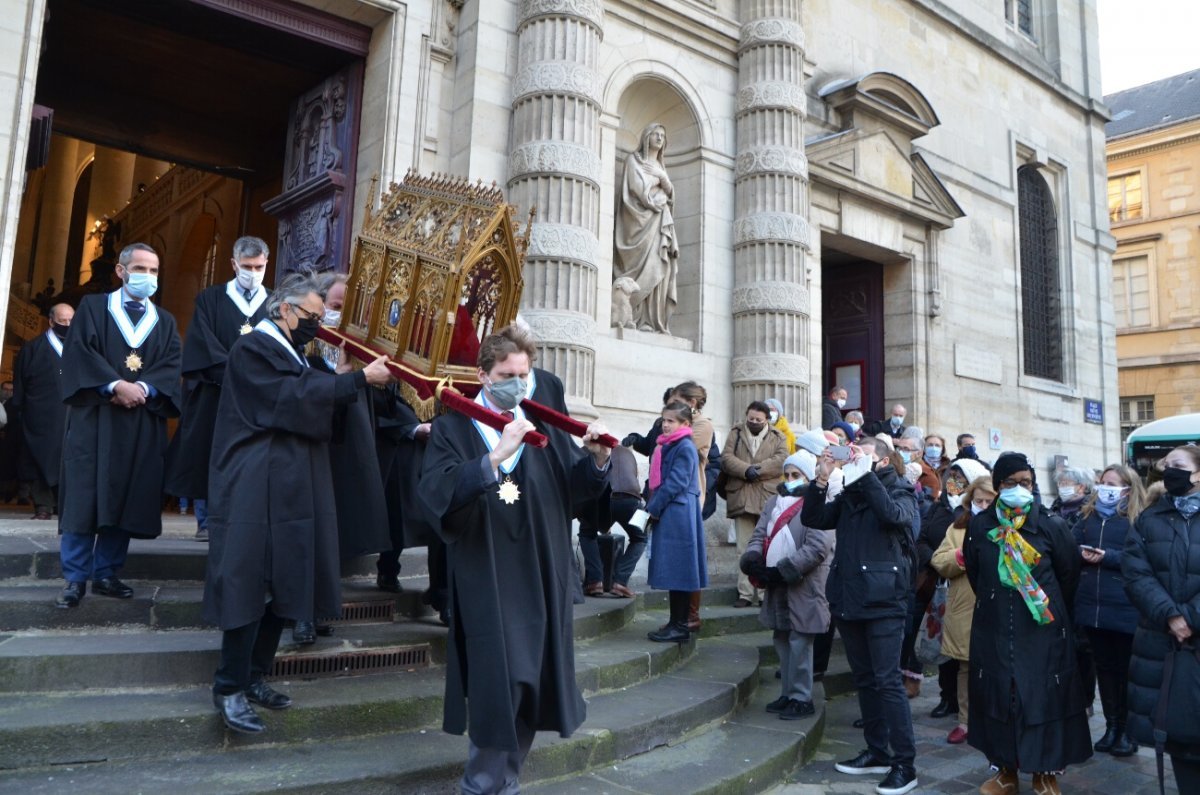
(112, 187)
(554, 165)
(771, 312)
(54, 227)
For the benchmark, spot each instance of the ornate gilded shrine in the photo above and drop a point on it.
(436, 269)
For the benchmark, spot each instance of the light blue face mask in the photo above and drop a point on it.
(906, 456)
(1016, 497)
(793, 485)
(508, 393)
(141, 285)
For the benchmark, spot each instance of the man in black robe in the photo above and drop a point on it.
(504, 510)
(120, 382)
(272, 519)
(37, 399)
(224, 312)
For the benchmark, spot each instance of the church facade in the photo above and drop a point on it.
(902, 197)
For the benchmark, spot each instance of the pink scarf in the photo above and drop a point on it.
(656, 459)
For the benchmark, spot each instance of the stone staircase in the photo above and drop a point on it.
(114, 696)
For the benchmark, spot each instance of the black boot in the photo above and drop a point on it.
(676, 630)
(1105, 744)
(1122, 745)
(943, 709)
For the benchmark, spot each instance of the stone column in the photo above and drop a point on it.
(54, 226)
(554, 165)
(112, 186)
(771, 300)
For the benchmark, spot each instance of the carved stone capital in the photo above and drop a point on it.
(761, 227)
(561, 329)
(557, 77)
(771, 297)
(554, 157)
(771, 30)
(772, 160)
(590, 11)
(562, 241)
(773, 94)
(771, 368)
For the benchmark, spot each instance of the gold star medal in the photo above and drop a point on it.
(508, 492)
(133, 362)
(246, 328)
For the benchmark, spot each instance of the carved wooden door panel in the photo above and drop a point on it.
(315, 209)
(852, 305)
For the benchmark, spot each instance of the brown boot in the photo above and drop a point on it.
(693, 621)
(1003, 783)
(1046, 784)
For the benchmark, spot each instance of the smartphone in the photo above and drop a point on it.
(840, 452)
(1089, 549)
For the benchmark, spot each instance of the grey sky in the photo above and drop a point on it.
(1146, 40)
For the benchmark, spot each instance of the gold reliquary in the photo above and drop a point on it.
(437, 267)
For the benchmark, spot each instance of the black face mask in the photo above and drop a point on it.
(969, 451)
(305, 331)
(60, 331)
(755, 427)
(1178, 481)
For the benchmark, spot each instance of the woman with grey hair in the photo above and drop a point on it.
(1075, 486)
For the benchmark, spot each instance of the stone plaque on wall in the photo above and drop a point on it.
(978, 364)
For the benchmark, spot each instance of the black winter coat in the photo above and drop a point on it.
(1161, 567)
(874, 561)
(1101, 601)
(1027, 703)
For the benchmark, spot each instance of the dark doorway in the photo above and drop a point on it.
(852, 332)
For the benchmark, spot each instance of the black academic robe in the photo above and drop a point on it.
(510, 577)
(400, 455)
(272, 521)
(357, 483)
(216, 324)
(112, 467)
(37, 399)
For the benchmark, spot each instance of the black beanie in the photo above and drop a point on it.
(1007, 464)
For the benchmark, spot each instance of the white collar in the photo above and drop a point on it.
(269, 328)
(491, 436)
(134, 335)
(247, 308)
(55, 342)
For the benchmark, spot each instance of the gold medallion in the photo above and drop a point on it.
(133, 362)
(508, 493)
(246, 328)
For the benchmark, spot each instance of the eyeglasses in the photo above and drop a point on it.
(1009, 483)
(304, 313)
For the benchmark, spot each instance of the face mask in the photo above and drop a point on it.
(897, 421)
(305, 331)
(755, 428)
(508, 393)
(841, 403)
(954, 501)
(1109, 495)
(1067, 493)
(788, 487)
(854, 426)
(1178, 481)
(969, 451)
(976, 510)
(141, 285)
(774, 417)
(1016, 497)
(933, 453)
(60, 331)
(906, 456)
(332, 317)
(249, 280)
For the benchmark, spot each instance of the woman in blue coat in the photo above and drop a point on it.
(677, 555)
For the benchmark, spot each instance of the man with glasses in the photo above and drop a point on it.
(224, 312)
(272, 520)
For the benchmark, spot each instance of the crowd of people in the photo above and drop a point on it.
(296, 459)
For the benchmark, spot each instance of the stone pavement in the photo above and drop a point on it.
(944, 769)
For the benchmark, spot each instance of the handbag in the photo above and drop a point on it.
(1178, 701)
(928, 645)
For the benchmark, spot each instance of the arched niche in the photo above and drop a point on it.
(194, 269)
(650, 99)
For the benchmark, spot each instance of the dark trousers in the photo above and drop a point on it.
(1085, 663)
(45, 496)
(87, 556)
(873, 651)
(247, 654)
(1187, 774)
(948, 681)
(822, 648)
(621, 509)
(908, 656)
(1111, 652)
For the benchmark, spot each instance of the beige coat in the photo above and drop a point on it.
(960, 600)
(742, 496)
(702, 436)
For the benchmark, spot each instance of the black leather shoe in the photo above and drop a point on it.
(238, 714)
(899, 780)
(795, 710)
(264, 695)
(388, 582)
(943, 709)
(72, 595)
(1123, 746)
(777, 705)
(111, 586)
(1105, 743)
(671, 633)
(864, 764)
(324, 630)
(304, 633)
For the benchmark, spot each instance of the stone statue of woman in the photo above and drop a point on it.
(647, 250)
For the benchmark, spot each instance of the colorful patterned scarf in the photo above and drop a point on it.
(1017, 559)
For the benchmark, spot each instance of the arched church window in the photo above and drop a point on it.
(1041, 288)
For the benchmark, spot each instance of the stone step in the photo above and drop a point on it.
(621, 724)
(751, 751)
(121, 724)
